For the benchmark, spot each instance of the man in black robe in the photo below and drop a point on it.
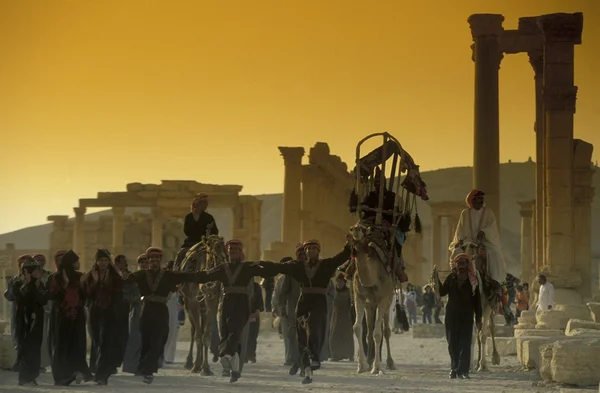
(30, 296)
(197, 223)
(256, 307)
(314, 276)
(235, 276)
(45, 274)
(464, 306)
(155, 285)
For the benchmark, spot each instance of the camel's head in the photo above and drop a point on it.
(360, 233)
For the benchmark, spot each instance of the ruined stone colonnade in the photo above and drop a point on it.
(450, 213)
(168, 202)
(560, 235)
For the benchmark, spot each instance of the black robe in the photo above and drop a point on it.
(104, 299)
(311, 310)
(68, 329)
(462, 306)
(257, 305)
(236, 303)
(155, 287)
(30, 299)
(131, 357)
(341, 336)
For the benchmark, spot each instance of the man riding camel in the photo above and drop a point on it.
(197, 223)
(371, 201)
(478, 225)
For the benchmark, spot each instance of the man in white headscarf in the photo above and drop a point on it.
(478, 224)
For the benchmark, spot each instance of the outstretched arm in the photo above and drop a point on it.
(337, 260)
(445, 287)
(272, 268)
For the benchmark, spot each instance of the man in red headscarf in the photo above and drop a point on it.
(314, 275)
(236, 276)
(477, 224)
(155, 284)
(197, 223)
(463, 309)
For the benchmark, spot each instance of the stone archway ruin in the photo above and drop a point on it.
(564, 167)
(168, 202)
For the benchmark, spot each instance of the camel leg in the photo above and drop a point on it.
(377, 332)
(359, 307)
(483, 341)
(206, 339)
(386, 334)
(189, 363)
(495, 354)
(197, 339)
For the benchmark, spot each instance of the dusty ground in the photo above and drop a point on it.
(422, 366)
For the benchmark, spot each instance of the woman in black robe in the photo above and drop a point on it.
(68, 325)
(104, 291)
(131, 294)
(31, 296)
(341, 335)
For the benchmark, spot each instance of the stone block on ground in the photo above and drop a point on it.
(506, 346)
(583, 333)
(594, 308)
(551, 319)
(576, 362)
(428, 330)
(545, 361)
(539, 332)
(504, 331)
(499, 320)
(530, 348)
(580, 312)
(581, 324)
(524, 326)
(7, 352)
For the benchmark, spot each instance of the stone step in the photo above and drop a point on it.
(428, 331)
(504, 331)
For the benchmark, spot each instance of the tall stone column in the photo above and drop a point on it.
(561, 33)
(528, 27)
(583, 196)
(527, 233)
(451, 223)
(157, 227)
(310, 202)
(118, 216)
(486, 30)
(436, 241)
(292, 194)
(79, 235)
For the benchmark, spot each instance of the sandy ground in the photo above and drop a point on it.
(422, 366)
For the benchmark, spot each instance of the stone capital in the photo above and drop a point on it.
(536, 59)
(292, 155)
(527, 208)
(529, 25)
(560, 99)
(485, 25)
(118, 211)
(79, 211)
(561, 27)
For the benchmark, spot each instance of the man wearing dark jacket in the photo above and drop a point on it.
(464, 306)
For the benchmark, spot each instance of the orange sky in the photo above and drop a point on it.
(96, 94)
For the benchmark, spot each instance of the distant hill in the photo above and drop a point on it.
(450, 184)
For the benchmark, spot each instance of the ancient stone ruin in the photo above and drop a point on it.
(162, 226)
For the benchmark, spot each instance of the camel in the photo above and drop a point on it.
(489, 306)
(373, 290)
(201, 301)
